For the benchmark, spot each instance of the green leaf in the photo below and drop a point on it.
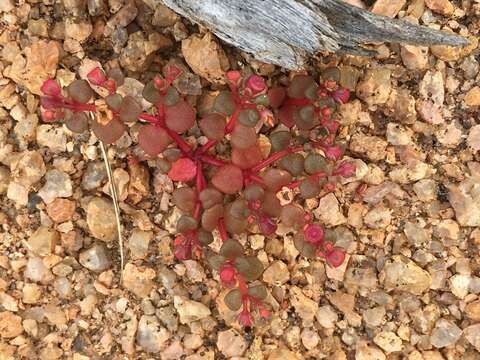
(233, 299)
(215, 260)
(305, 248)
(258, 291)
(250, 267)
(231, 249)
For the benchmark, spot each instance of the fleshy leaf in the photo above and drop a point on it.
(335, 257)
(51, 88)
(233, 299)
(258, 291)
(231, 249)
(250, 267)
(183, 169)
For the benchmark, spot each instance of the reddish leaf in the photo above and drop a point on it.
(183, 169)
(51, 88)
(153, 139)
(180, 117)
(256, 84)
(286, 115)
(97, 77)
(276, 96)
(335, 257)
(228, 179)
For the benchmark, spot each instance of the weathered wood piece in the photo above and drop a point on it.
(286, 32)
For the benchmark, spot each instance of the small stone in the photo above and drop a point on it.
(17, 193)
(150, 335)
(333, 216)
(466, 202)
(138, 280)
(449, 136)
(374, 317)
(310, 338)
(472, 98)
(95, 258)
(37, 271)
(101, 219)
(388, 8)
(163, 16)
(346, 304)
(416, 235)
(472, 310)
(190, 311)
(7, 6)
(443, 7)
(138, 243)
(174, 351)
(79, 31)
(231, 343)
(52, 137)
(94, 175)
(326, 316)
(55, 315)
(432, 88)
(276, 274)
(445, 333)
(42, 241)
(31, 293)
(206, 57)
(375, 87)
(426, 190)
(372, 146)
(34, 65)
(61, 210)
(429, 112)
(398, 135)
(8, 302)
(414, 57)
(473, 139)
(138, 53)
(378, 218)
(28, 169)
(283, 354)
(460, 285)
(403, 274)
(366, 352)
(57, 184)
(125, 13)
(388, 341)
(472, 334)
(194, 271)
(10, 325)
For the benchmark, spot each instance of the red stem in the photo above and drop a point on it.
(211, 160)
(207, 146)
(222, 229)
(274, 157)
(150, 118)
(297, 102)
(233, 120)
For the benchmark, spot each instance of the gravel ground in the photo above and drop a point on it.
(410, 288)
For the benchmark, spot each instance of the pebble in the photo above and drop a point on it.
(346, 304)
(416, 235)
(305, 307)
(473, 139)
(398, 135)
(326, 316)
(368, 352)
(28, 169)
(138, 243)
(42, 242)
(450, 135)
(374, 317)
(95, 258)
(61, 210)
(138, 280)
(283, 354)
(37, 271)
(375, 86)
(8, 302)
(31, 293)
(52, 137)
(310, 338)
(206, 57)
(414, 57)
(55, 315)
(472, 334)
(445, 333)
(17, 193)
(378, 218)
(79, 31)
(403, 274)
(443, 7)
(334, 215)
(194, 271)
(426, 190)
(94, 175)
(163, 16)
(466, 202)
(10, 325)
(276, 274)
(373, 147)
(460, 285)
(388, 341)
(190, 311)
(136, 56)
(472, 97)
(101, 219)
(151, 336)
(231, 343)
(388, 8)
(57, 184)
(472, 310)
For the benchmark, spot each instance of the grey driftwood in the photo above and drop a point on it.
(286, 32)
